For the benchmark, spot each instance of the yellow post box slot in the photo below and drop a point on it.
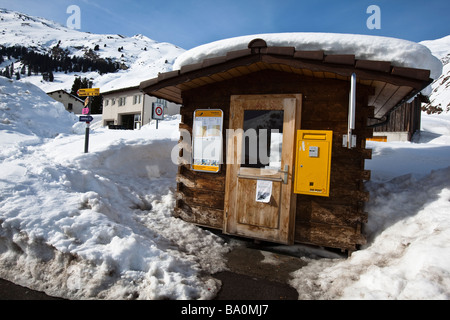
(313, 162)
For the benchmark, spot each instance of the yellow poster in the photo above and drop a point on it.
(207, 140)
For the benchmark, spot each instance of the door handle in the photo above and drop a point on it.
(285, 173)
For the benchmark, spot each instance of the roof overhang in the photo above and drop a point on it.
(392, 84)
(120, 90)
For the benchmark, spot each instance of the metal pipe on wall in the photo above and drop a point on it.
(351, 140)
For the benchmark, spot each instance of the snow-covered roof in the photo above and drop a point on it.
(408, 67)
(65, 92)
(398, 52)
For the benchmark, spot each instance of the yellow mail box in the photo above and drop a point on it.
(313, 162)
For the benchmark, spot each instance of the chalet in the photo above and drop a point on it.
(71, 103)
(129, 108)
(274, 128)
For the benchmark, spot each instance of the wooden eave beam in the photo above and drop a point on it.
(191, 72)
(346, 59)
(345, 70)
(382, 66)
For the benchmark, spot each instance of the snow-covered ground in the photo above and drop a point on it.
(95, 225)
(408, 251)
(99, 225)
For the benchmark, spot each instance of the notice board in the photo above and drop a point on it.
(207, 140)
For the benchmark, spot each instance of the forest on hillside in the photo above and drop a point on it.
(58, 60)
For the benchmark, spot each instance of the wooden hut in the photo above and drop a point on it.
(401, 123)
(304, 96)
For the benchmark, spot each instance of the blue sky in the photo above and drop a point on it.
(189, 23)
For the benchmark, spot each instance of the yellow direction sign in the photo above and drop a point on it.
(88, 92)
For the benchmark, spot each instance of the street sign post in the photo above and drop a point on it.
(89, 92)
(158, 112)
(86, 119)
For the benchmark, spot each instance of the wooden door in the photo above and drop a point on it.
(259, 199)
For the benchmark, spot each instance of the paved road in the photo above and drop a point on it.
(11, 291)
(257, 275)
(242, 287)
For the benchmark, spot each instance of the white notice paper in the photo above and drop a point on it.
(263, 191)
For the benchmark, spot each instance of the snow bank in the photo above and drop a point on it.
(26, 109)
(98, 225)
(408, 255)
(408, 251)
(103, 220)
(399, 52)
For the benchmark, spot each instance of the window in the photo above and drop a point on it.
(162, 101)
(137, 99)
(106, 102)
(70, 106)
(122, 101)
(263, 137)
(113, 101)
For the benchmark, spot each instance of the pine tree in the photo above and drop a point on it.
(6, 73)
(84, 83)
(76, 85)
(97, 104)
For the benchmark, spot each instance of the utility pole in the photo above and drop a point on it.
(88, 123)
(86, 117)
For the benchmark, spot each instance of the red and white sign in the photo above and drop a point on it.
(158, 111)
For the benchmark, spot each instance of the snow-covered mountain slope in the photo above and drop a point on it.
(440, 96)
(142, 57)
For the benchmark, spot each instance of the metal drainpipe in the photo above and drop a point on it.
(351, 111)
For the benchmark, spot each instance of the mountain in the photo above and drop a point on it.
(138, 57)
(440, 96)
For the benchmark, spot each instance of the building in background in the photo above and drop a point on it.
(402, 123)
(129, 108)
(71, 103)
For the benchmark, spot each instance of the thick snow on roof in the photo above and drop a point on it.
(399, 52)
